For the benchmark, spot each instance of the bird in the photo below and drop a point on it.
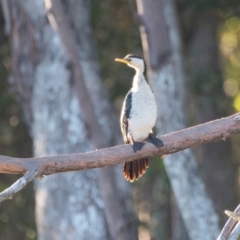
(138, 117)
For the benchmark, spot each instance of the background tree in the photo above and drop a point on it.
(210, 102)
(57, 82)
(163, 48)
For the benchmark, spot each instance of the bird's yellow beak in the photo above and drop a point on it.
(122, 60)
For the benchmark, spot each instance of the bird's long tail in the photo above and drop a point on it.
(135, 169)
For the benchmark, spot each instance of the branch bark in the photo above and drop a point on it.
(18, 185)
(229, 227)
(174, 142)
(234, 235)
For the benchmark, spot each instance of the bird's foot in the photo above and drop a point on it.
(155, 141)
(137, 146)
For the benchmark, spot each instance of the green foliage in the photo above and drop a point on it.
(230, 7)
(17, 215)
(230, 47)
(117, 34)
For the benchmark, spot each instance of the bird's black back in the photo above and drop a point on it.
(126, 115)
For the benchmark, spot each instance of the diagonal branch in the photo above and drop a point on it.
(213, 131)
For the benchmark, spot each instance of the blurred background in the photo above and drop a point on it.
(36, 65)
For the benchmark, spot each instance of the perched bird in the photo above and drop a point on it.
(138, 117)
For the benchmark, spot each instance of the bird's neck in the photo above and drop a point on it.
(139, 78)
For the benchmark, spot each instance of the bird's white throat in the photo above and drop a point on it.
(138, 79)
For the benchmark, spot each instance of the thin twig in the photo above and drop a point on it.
(228, 227)
(18, 185)
(233, 215)
(234, 235)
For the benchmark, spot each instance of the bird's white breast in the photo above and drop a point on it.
(143, 113)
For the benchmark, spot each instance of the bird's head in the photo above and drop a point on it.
(133, 61)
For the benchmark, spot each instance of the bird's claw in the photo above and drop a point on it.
(137, 146)
(155, 141)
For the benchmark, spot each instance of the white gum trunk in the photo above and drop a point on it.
(169, 84)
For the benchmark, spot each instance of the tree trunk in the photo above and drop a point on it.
(210, 103)
(162, 46)
(57, 81)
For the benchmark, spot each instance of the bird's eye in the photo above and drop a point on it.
(128, 59)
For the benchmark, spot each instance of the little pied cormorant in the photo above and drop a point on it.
(138, 117)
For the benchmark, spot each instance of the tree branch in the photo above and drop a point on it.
(230, 225)
(213, 131)
(18, 185)
(233, 215)
(234, 235)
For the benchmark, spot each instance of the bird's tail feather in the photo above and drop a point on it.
(135, 169)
